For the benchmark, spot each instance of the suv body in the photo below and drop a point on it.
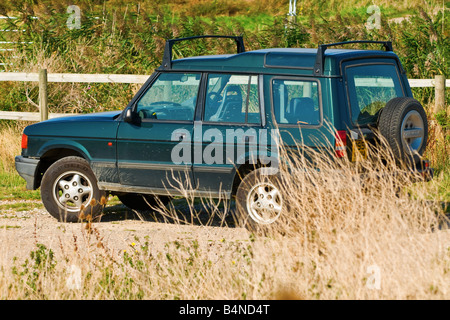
(191, 111)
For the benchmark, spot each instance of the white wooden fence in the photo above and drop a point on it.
(42, 77)
(74, 77)
(59, 77)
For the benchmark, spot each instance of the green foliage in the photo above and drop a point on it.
(119, 37)
(443, 120)
(32, 274)
(442, 149)
(12, 186)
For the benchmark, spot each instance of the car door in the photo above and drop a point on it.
(165, 116)
(228, 130)
(370, 84)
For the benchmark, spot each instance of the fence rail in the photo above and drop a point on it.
(30, 116)
(74, 77)
(439, 83)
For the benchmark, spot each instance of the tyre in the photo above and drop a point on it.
(259, 201)
(403, 123)
(69, 188)
(141, 202)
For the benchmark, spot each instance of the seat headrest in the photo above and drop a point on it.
(233, 92)
(301, 106)
(302, 111)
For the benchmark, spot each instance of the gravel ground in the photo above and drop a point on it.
(24, 223)
(118, 228)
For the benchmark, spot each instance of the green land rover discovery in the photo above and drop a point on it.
(210, 123)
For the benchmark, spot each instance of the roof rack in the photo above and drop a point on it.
(167, 57)
(318, 66)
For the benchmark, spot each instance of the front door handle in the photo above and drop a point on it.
(180, 135)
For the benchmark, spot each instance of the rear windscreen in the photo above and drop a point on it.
(370, 87)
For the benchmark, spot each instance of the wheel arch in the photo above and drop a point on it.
(52, 154)
(243, 170)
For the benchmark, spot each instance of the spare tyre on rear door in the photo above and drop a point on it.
(403, 123)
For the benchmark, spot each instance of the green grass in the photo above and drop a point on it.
(441, 185)
(13, 187)
(21, 206)
(10, 227)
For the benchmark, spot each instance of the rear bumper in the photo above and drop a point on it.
(26, 167)
(427, 174)
(420, 172)
(423, 168)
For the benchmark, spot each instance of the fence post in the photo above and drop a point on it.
(43, 107)
(439, 93)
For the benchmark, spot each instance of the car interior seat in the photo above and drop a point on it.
(231, 108)
(302, 111)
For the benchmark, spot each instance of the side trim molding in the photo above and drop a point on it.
(116, 187)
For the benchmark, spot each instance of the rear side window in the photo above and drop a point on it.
(232, 99)
(296, 102)
(370, 87)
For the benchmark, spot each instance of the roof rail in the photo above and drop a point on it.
(167, 57)
(318, 66)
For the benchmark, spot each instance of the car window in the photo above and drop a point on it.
(296, 101)
(232, 99)
(370, 87)
(172, 96)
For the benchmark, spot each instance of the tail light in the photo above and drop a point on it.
(24, 141)
(340, 146)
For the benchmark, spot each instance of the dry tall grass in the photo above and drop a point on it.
(10, 136)
(344, 237)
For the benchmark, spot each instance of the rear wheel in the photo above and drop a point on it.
(259, 201)
(69, 188)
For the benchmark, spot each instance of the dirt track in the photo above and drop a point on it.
(119, 227)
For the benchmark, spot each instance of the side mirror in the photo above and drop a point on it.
(130, 116)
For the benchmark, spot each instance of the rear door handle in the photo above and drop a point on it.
(249, 139)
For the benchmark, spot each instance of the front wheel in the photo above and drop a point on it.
(69, 188)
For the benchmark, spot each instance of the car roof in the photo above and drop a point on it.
(301, 60)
